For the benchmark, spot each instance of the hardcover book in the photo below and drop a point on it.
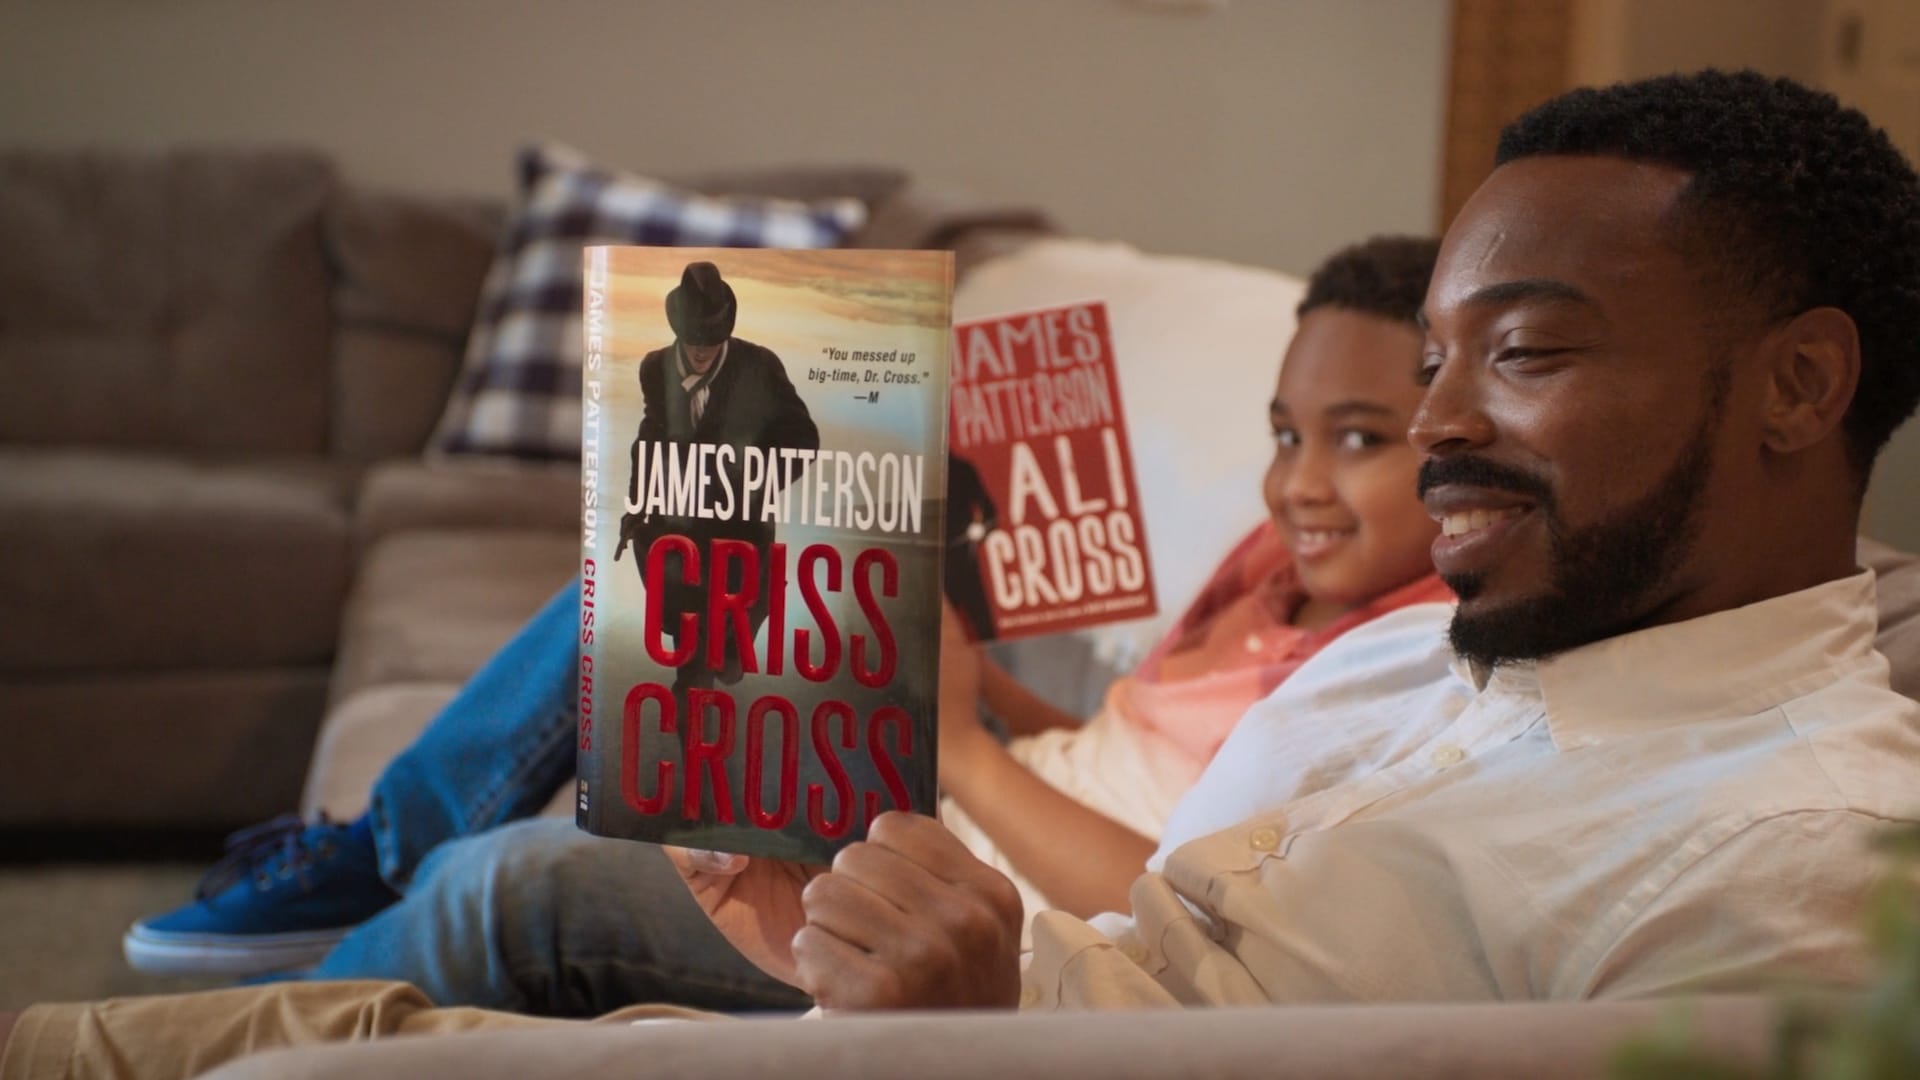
(763, 490)
(1044, 531)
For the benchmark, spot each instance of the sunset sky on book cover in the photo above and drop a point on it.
(1044, 527)
(763, 496)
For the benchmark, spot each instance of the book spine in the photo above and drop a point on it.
(594, 517)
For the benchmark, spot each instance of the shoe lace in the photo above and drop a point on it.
(284, 836)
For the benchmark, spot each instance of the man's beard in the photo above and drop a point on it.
(1602, 576)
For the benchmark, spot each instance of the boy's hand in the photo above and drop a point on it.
(909, 919)
(961, 736)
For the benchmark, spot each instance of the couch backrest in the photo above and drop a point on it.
(408, 270)
(176, 299)
(248, 301)
(1898, 590)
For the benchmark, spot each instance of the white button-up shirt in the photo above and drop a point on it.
(1684, 807)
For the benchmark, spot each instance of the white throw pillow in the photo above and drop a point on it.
(1198, 345)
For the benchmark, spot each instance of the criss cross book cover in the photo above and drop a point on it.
(763, 497)
(1044, 531)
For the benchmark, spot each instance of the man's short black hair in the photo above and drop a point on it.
(1385, 276)
(1801, 200)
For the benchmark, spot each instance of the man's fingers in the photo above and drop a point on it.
(892, 876)
(908, 917)
(927, 844)
(852, 910)
(923, 841)
(839, 975)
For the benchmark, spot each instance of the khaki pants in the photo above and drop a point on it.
(182, 1035)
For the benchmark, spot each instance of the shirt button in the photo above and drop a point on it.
(1134, 951)
(1264, 839)
(1444, 756)
(1029, 997)
(1254, 643)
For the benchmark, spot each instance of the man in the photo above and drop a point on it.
(1665, 341)
(709, 387)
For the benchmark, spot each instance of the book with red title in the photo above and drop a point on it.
(1044, 530)
(762, 525)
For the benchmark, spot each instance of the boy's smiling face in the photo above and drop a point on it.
(1341, 485)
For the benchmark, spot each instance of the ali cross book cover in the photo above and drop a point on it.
(763, 490)
(1044, 530)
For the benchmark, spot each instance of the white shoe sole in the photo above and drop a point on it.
(157, 952)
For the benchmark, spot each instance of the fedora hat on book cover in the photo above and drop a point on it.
(701, 308)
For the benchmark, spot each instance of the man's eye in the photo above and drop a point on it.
(1359, 440)
(1514, 353)
(1286, 437)
(1429, 368)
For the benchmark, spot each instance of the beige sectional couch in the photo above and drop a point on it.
(218, 372)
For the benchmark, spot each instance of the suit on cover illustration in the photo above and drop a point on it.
(710, 387)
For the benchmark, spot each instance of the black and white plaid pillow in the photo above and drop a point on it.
(519, 387)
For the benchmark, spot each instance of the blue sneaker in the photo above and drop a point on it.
(284, 893)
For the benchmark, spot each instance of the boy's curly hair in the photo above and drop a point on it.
(1385, 276)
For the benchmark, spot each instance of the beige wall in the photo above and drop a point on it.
(1265, 131)
(1625, 39)
(1632, 39)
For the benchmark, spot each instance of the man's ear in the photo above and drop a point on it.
(1814, 366)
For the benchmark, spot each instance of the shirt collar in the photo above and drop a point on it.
(1736, 662)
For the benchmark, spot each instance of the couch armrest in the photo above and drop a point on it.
(921, 215)
(1488, 1041)
(463, 493)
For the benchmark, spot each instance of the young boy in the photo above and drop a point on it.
(539, 917)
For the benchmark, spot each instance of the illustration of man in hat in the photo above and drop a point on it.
(710, 387)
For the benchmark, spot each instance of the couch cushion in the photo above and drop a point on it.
(921, 215)
(433, 605)
(408, 272)
(468, 492)
(1198, 463)
(164, 300)
(519, 388)
(112, 562)
(369, 729)
(868, 184)
(197, 749)
(361, 734)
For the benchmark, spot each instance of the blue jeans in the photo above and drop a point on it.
(536, 916)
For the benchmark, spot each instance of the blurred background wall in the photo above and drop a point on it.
(1262, 131)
